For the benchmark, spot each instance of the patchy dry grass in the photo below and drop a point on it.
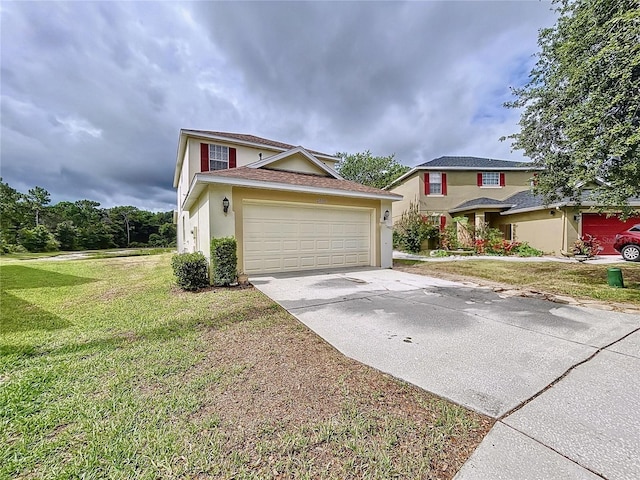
(586, 281)
(108, 371)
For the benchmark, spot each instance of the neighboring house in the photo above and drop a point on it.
(498, 193)
(286, 206)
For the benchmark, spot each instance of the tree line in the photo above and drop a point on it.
(29, 222)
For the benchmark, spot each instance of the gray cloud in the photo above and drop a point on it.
(94, 94)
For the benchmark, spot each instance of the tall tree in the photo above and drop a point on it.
(581, 118)
(370, 170)
(12, 212)
(124, 216)
(38, 198)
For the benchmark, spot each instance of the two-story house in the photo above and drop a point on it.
(286, 206)
(498, 193)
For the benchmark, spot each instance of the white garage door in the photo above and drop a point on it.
(282, 237)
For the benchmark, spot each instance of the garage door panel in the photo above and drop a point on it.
(291, 262)
(351, 259)
(323, 245)
(323, 261)
(307, 262)
(286, 237)
(307, 245)
(290, 245)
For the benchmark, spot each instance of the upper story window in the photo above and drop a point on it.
(435, 183)
(491, 179)
(216, 157)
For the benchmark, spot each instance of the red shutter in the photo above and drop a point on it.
(479, 179)
(502, 182)
(534, 182)
(443, 179)
(426, 184)
(232, 158)
(443, 222)
(204, 157)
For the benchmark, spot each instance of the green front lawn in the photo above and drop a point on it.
(108, 371)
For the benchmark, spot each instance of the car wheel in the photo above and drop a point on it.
(631, 253)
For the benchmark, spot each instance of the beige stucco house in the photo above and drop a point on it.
(498, 193)
(287, 207)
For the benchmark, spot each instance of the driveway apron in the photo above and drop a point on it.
(561, 380)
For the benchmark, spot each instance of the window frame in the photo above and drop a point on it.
(439, 184)
(218, 157)
(495, 175)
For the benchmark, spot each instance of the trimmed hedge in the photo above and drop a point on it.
(224, 260)
(191, 270)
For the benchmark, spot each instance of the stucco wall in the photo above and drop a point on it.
(297, 163)
(410, 190)
(541, 229)
(461, 187)
(244, 155)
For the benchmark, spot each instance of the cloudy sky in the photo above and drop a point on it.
(93, 95)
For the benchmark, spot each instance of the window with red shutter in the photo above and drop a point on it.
(204, 157)
(490, 179)
(433, 183)
(232, 158)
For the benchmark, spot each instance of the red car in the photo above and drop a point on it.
(628, 243)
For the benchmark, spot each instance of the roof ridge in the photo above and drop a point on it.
(247, 137)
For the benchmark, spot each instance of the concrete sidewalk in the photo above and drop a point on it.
(494, 355)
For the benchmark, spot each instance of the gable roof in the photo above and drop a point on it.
(481, 203)
(265, 162)
(447, 163)
(286, 181)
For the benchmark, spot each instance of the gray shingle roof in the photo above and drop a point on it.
(524, 200)
(480, 202)
(243, 137)
(474, 163)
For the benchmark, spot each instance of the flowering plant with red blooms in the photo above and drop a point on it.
(587, 245)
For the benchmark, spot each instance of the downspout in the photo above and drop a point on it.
(564, 230)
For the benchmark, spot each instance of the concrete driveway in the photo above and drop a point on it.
(561, 380)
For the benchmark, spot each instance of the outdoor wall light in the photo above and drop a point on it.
(225, 205)
(386, 215)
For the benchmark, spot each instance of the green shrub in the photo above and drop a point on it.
(191, 270)
(38, 239)
(412, 229)
(224, 260)
(67, 235)
(6, 247)
(449, 238)
(525, 250)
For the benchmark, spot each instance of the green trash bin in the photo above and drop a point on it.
(614, 277)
